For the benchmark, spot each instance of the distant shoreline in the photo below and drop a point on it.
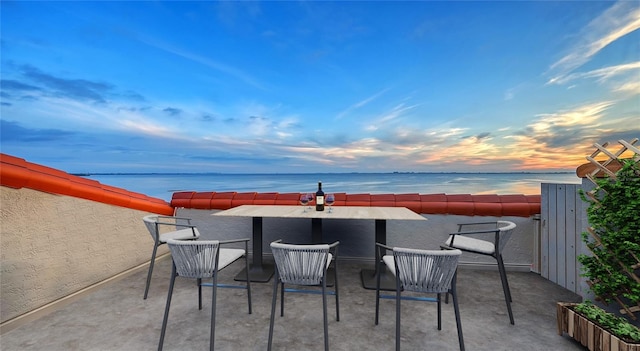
(163, 185)
(312, 173)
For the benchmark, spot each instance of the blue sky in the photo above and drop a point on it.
(306, 86)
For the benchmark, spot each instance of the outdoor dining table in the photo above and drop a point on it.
(261, 272)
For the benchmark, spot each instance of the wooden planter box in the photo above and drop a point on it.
(588, 333)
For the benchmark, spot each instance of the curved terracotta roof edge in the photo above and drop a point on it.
(517, 205)
(17, 173)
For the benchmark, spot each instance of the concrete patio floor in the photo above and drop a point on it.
(117, 318)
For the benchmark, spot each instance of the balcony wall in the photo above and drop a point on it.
(54, 246)
(514, 205)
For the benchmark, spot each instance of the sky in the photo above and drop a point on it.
(310, 86)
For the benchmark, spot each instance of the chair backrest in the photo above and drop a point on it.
(150, 221)
(195, 258)
(506, 229)
(300, 264)
(429, 271)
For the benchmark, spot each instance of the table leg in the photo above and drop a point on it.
(316, 230)
(368, 276)
(316, 238)
(258, 271)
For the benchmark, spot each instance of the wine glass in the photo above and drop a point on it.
(310, 198)
(329, 200)
(304, 200)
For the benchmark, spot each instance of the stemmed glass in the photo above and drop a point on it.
(304, 200)
(310, 198)
(329, 200)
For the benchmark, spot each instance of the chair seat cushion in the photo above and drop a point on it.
(466, 243)
(182, 234)
(390, 262)
(228, 256)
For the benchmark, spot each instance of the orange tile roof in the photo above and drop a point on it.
(17, 173)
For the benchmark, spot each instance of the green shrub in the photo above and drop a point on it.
(615, 219)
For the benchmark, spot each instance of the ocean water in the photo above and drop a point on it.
(164, 185)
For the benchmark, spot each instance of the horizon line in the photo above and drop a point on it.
(88, 174)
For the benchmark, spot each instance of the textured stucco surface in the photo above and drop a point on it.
(52, 246)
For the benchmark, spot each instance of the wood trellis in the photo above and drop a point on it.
(607, 168)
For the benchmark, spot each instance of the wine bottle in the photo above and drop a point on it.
(319, 198)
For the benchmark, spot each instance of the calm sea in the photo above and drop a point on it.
(164, 185)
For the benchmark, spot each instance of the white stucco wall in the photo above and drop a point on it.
(52, 246)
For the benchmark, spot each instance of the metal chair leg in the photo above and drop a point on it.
(324, 313)
(398, 299)
(282, 300)
(153, 260)
(337, 294)
(439, 312)
(500, 261)
(505, 288)
(273, 309)
(378, 290)
(166, 309)
(456, 309)
(199, 281)
(246, 262)
(212, 335)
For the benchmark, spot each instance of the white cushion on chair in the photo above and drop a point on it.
(182, 234)
(228, 256)
(390, 262)
(463, 242)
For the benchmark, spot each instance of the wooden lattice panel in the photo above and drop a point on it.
(606, 163)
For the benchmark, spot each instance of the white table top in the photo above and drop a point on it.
(338, 212)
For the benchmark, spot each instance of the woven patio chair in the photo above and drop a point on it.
(421, 271)
(305, 265)
(154, 223)
(203, 259)
(464, 240)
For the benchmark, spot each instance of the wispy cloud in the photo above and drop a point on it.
(601, 74)
(13, 131)
(218, 66)
(148, 128)
(9, 85)
(395, 112)
(73, 88)
(172, 111)
(556, 140)
(559, 139)
(632, 87)
(361, 103)
(620, 19)
(583, 115)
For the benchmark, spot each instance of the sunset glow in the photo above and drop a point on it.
(273, 87)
